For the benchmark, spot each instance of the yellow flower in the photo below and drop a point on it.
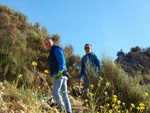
(141, 104)
(113, 105)
(115, 100)
(45, 74)
(98, 85)
(105, 93)
(28, 99)
(138, 108)
(107, 84)
(107, 104)
(46, 71)
(146, 94)
(115, 96)
(118, 101)
(91, 94)
(51, 86)
(68, 91)
(79, 96)
(132, 105)
(101, 78)
(46, 83)
(123, 104)
(101, 107)
(39, 87)
(38, 76)
(20, 76)
(110, 111)
(34, 63)
(92, 86)
(142, 108)
(118, 111)
(86, 100)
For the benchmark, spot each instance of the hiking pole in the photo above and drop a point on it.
(56, 78)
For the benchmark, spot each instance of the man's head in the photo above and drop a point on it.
(48, 43)
(88, 48)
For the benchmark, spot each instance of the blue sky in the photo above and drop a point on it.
(108, 25)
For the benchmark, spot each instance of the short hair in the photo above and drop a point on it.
(88, 44)
(48, 39)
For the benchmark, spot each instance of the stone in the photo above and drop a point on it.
(20, 106)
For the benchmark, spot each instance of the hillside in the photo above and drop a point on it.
(25, 84)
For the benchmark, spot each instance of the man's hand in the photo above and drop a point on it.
(59, 74)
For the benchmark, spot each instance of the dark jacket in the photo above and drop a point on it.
(56, 60)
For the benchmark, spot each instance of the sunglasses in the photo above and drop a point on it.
(87, 47)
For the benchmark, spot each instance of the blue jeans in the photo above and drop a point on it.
(61, 85)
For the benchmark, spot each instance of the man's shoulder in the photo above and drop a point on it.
(57, 47)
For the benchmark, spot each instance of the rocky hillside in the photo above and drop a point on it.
(15, 103)
(134, 62)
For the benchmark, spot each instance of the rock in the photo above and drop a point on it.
(45, 106)
(134, 62)
(20, 106)
(10, 105)
(11, 111)
(71, 99)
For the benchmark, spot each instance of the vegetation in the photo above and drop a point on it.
(136, 49)
(22, 55)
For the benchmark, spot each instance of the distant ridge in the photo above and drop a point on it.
(134, 62)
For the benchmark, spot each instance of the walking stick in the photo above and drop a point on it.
(56, 78)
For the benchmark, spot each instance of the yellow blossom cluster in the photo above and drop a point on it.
(34, 63)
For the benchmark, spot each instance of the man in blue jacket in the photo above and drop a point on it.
(93, 60)
(57, 65)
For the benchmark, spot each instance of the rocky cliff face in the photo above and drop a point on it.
(134, 62)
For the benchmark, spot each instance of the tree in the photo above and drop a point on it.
(136, 49)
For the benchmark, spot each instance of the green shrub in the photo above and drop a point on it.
(136, 49)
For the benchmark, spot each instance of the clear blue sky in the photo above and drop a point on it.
(108, 25)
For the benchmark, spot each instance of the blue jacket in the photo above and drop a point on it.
(56, 60)
(96, 63)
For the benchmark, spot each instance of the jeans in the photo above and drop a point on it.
(61, 85)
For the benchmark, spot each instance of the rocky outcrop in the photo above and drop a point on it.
(134, 62)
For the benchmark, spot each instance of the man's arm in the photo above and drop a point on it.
(60, 58)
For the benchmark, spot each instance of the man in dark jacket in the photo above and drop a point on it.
(91, 58)
(57, 65)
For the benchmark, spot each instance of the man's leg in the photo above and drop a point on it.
(65, 95)
(57, 84)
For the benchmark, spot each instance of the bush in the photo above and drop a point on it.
(136, 49)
